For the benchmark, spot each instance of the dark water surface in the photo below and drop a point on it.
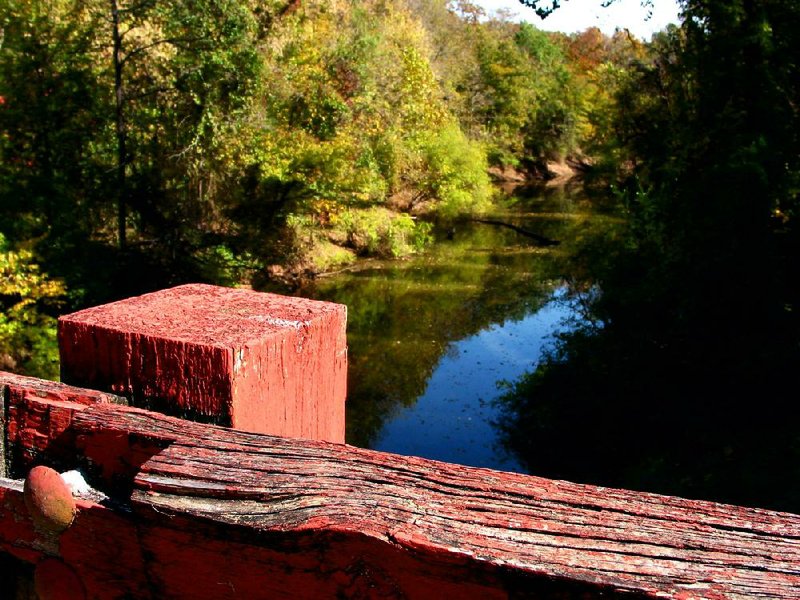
(433, 338)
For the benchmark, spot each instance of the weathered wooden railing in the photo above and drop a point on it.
(181, 509)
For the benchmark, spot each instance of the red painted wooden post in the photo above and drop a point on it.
(253, 361)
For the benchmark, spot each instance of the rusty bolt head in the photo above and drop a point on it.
(48, 500)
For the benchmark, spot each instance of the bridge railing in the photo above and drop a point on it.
(186, 509)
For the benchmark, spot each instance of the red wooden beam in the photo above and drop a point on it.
(32, 427)
(254, 361)
(207, 512)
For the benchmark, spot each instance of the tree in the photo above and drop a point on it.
(680, 381)
(182, 73)
(27, 331)
(356, 121)
(49, 118)
(126, 120)
(544, 8)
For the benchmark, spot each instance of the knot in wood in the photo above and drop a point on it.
(48, 499)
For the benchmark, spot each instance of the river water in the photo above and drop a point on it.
(452, 420)
(433, 339)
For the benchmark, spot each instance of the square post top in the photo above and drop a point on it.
(207, 315)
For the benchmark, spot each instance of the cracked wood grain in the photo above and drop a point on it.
(315, 508)
(205, 512)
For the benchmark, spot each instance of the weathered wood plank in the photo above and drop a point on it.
(258, 362)
(36, 415)
(20, 385)
(309, 508)
(206, 512)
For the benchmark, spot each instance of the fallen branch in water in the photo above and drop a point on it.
(542, 240)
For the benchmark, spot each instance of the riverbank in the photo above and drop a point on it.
(406, 225)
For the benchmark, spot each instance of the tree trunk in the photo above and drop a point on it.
(121, 130)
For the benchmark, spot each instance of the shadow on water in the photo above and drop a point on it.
(432, 337)
(679, 380)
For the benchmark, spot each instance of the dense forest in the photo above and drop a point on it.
(147, 143)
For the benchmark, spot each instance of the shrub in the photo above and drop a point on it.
(455, 173)
(27, 334)
(380, 232)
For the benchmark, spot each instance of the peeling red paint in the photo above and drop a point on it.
(204, 512)
(257, 362)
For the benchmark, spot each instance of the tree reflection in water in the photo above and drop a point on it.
(408, 320)
(687, 388)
